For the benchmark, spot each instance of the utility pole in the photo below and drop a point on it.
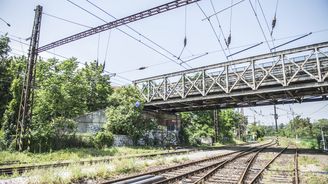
(323, 139)
(25, 106)
(275, 116)
(215, 122)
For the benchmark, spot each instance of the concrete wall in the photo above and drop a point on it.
(167, 134)
(91, 122)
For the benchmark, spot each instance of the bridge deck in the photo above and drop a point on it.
(289, 76)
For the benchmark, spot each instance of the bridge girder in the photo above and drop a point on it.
(290, 76)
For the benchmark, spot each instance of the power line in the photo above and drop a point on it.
(266, 22)
(217, 37)
(258, 21)
(134, 30)
(82, 63)
(217, 19)
(5, 22)
(127, 34)
(292, 40)
(66, 20)
(314, 112)
(208, 17)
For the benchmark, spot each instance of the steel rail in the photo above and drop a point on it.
(176, 167)
(20, 169)
(296, 166)
(214, 170)
(267, 165)
(217, 164)
(251, 161)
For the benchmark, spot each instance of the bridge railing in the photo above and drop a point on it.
(303, 64)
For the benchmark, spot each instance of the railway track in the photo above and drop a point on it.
(254, 165)
(190, 169)
(9, 169)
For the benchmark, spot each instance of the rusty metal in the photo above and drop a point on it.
(296, 166)
(288, 76)
(267, 165)
(160, 171)
(119, 22)
(25, 106)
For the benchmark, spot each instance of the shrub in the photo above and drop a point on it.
(103, 139)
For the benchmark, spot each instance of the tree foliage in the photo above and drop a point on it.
(231, 124)
(125, 117)
(63, 91)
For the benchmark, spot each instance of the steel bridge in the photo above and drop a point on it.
(289, 76)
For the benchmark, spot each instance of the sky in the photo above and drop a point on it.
(123, 55)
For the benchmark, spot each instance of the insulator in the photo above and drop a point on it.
(229, 40)
(185, 42)
(142, 68)
(274, 21)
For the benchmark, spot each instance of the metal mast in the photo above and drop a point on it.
(25, 107)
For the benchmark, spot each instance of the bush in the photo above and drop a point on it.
(103, 139)
(2, 140)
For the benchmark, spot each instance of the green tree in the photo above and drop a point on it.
(97, 86)
(299, 127)
(196, 125)
(5, 76)
(16, 71)
(125, 117)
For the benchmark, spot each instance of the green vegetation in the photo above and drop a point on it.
(232, 125)
(64, 90)
(125, 117)
(103, 139)
(73, 154)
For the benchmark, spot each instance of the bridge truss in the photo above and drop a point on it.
(290, 76)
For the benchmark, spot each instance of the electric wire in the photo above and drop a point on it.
(217, 19)
(259, 23)
(217, 37)
(291, 41)
(185, 35)
(229, 37)
(245, 49)
(208, 17)
(107, 47)
(318, 110)
(82, 63)
(128, 35)
(134, 30)
(266, 22)
(98, 45)
(274, 21)
(66, 20)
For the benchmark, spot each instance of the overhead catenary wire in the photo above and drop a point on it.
(221, 50)
(128, 35)
(274, 20)
(185, 34)
(229, 37)
(292, 41)
(266, 22)
(217, 37)
(107, 48)
(82, 63)
(66, 20)
(243, 50)
(318, 110)
(217, 19)
(259, 23)
(208, 17)
(134, 30)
